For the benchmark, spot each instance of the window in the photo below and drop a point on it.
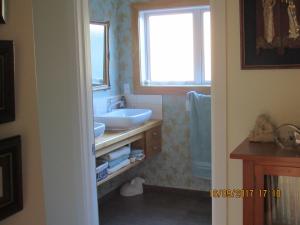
(174, 47)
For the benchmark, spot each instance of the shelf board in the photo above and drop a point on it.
(119, 144)
(112, 137)
(117, 173)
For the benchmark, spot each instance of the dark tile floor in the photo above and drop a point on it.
(156, 208)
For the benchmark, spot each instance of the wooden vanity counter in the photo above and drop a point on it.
(112, 140)
(146, 137)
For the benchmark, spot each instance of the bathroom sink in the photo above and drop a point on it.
(123, 119)
(99, 129)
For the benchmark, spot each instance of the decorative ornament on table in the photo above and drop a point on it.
(263, 130)
(288, 136)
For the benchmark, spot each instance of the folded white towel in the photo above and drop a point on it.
(118, 153)
(122, 164)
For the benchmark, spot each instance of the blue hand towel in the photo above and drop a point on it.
(200, 133)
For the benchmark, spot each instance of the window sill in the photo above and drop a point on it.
(170, 90)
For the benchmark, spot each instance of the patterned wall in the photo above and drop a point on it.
(171, 168)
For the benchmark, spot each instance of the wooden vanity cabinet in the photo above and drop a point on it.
(146, 136)
(153, 141)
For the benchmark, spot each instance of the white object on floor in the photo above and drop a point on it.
(133, 188)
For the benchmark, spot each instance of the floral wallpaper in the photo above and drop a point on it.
(172, 167)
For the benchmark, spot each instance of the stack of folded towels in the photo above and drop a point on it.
(101, 169)
(137, 154)
(117, 159)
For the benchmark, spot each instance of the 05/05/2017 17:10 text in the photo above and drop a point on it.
(245, 193)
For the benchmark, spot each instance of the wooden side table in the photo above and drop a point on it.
(259, 160)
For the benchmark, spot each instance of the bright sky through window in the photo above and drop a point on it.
(175, 46)
(207, 46)
(171, 47)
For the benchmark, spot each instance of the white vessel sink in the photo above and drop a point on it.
(123, 119)
(99, 129)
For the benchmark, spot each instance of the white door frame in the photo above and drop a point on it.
(219, 109)
(219, 102)
(61, 29)
(86, 111)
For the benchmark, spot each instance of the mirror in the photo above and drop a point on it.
(99, 39)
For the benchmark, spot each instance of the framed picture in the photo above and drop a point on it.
(2, 11)
(270, 34)
(11, 196)
(7, 96)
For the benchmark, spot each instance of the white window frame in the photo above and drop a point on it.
(199, 58)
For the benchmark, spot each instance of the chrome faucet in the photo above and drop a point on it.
(113, 104)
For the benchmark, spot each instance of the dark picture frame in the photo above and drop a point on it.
(280, 51)
(11, 194)
(7, 92)
(2, 11)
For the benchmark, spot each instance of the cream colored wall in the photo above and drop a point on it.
(250, 93)
(20, 29)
